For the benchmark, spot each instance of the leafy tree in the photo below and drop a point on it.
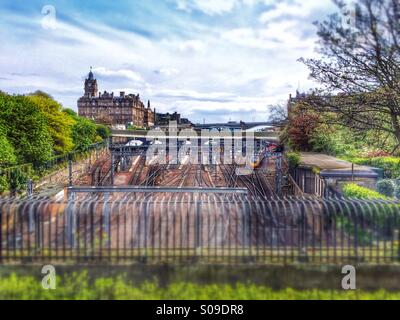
(301, 126)
(7, 155)
(84, 134)
(103, 131)
(18, 181)
(59, 123)
(84, 131)
(4, 185)
(26, 129)
(335, 140)
(71, 113)
(359, 68)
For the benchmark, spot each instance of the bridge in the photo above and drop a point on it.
(233, 125)
(152, 135)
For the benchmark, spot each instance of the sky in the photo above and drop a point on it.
(210, 60)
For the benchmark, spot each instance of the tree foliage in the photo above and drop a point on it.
(302, 123)
(84, 131)
(26, 129)
(7, 155)
(59, 123)
(103, 131)
(359, 68)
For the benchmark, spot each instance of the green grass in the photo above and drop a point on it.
(78, 286)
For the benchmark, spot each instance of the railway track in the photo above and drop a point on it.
(99, 171)
(137, 171)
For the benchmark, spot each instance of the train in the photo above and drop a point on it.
(257, 159)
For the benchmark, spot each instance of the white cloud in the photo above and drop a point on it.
(168, 72)
(192, 45)
(279, 35)
(294, 9)
(210, 7)
(195, 95)
(121, 73)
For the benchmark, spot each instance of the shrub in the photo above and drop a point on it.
(390, 165)
(353, 190)
(385, 187)
(103, 131)
(3, 184)
(375, 154)
(397, 191)
(293, 158)
(333, 140)
(7, 152)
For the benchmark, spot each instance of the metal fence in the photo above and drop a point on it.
(308, 181)
(204, 228)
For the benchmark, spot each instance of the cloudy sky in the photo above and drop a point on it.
(217, 60)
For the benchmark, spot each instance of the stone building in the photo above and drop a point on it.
(293, 100)
(110, 109)
(163, 119)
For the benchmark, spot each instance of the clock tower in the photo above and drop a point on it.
(91, 89)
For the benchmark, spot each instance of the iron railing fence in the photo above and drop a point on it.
(204, 228)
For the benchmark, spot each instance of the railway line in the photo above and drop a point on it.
(148, 172)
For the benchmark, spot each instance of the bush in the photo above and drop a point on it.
(3, 184)
(397, 191)
(336, 141)
(390, 165)
(18, 180)
(385, 187)
(375, 154)
(293, 158)
(7, 153)
(103, 131)
(353, 190)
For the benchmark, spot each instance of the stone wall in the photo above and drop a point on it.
(79, 168)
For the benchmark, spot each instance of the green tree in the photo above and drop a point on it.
(84, 131)
(7, 155)
(301, 126)
(26, 129)
(59, 123)
(359, 66)
(103, 131)
(18, 181)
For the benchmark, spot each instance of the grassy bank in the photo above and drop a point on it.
(78, 286)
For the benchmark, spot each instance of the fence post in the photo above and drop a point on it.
(198, 228)
(70, 171)
(71, 220)
(30, 188)
(278, 165)
(112, 169)
(302, 232)
(107, 209)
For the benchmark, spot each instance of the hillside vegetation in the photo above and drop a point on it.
(35, 129)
